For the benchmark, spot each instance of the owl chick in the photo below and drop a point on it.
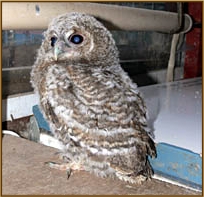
(91, 104)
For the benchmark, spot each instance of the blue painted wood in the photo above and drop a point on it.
(42, 123)
(172, 162)
(178, 164)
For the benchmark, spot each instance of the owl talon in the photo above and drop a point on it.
(60, 167)
(56, 165)
(50, 164)
(69, 172)
(70, 168)
(62, 156)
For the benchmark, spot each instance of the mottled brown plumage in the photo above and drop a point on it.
(91, 104)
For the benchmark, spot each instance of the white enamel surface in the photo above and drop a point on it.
(50, 141)
(18, 106)
(7, 132)
(155, 176)
(176, 108)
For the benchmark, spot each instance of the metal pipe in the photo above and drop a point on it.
(171, 63)
(37, 15)
(174, 43)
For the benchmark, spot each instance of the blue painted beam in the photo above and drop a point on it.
(178, 164)
(42, 123)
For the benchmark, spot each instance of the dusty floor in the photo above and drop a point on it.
(24, 172)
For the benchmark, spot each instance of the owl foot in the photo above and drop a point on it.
(62, 156)
(70, 168)
(131, 179)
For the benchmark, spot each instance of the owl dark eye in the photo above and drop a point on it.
(76, 39)
(53, 40)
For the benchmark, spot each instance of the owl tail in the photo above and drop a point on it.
(150, 145)
(151, 149)
(137, 172)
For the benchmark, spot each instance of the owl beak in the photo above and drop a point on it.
(56, 53)
(58, 49)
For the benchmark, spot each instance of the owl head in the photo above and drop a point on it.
(80, 38)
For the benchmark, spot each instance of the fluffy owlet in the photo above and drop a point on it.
(91, 104)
